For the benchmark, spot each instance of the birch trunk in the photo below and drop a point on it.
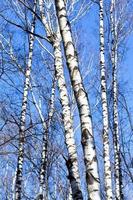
(92, 176)
(42, 189)
(74, 176)
(118, 175)
(107, 164)
(18, 184)
(67, 118)
(43, 169)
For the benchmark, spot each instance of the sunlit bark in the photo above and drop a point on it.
(107, 164)
(92, 176)
(67, 118)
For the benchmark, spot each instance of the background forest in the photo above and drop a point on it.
(66, 99)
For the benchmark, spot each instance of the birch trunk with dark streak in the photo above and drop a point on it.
(92, 175)
(74, 176)
(107, 164)
(66, 112)
(18, 183)
(114, 57)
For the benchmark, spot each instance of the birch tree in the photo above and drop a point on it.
(121, 27)
(18, 184)
(118, 178)
(52, 137)
(107, 165)
(66, 112)
(46, 125)
(92, 176)
(43, 170)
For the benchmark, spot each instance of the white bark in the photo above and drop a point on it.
(114, 52)
(19, 170)
(68, 124)
(74, 176)
(107, 164)
(92, 176)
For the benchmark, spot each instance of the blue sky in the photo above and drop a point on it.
(128, 68)
(88, 30)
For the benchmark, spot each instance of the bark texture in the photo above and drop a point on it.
(92, 176)
(114, 57)
(74, 176)
(18, 184)
(107, 164)
(67, 119)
